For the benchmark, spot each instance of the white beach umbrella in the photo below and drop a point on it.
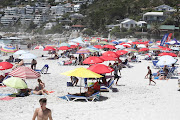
(120, 46)
(19, 52)
(141, 46)
(166, 60)
(27, 56)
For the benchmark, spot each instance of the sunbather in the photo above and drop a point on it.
(40, 87)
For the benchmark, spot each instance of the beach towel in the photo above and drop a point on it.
(3, 94)
(50, 91)
(7, 98)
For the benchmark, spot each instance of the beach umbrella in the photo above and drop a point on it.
(103, 42)
(73, 46)
(166, 49)
(65, 44)
(120, 46)
(115, 42)
(110, 54)
(82, 73)
(93, 60)
(49, 48)
(166, 60)
(100, 69)
(25, 73)
(5, 65)
(143, 49)
(98, 46)
(107, 58)
(170, 54)
(141, 46)
(121, 52)
(78, 40)
(15, 82)
(109, 46)
(131, 50)
(19, 52)
(92, 49)
(64, 48)
(83, 51)
(27, 56)
(8, 49)
(127, 45)
(39, 47)
(175, 48)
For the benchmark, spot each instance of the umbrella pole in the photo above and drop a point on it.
(80, 85)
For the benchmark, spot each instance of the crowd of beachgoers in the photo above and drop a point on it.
(121, 78)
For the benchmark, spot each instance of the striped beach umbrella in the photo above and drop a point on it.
(39, 47)
(8, 49)
(25, 73)
(83, 51)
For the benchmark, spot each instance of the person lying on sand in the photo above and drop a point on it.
(42, 113)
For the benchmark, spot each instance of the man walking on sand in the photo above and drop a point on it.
(42, 113)
(150, 75)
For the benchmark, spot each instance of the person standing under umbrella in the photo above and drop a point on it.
(33, 64)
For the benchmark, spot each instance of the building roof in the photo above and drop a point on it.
(163, 6)
(154, 13)
(128, 20)
(166, 27)
(82, 26)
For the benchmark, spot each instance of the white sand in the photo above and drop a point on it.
(136, 100)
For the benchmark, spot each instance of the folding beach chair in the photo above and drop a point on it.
(154, 64)
(108, 88)
(44, 69)
(74, 97)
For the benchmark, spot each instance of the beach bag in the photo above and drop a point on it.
(69, 84)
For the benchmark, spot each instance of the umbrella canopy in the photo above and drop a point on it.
(19, 52)
(5, 65)
(25, 73)
(131, 50)
(110, 54)
(175, 48)
(73, 46)
(83, 73)
(141, 46)
(143, 49)
(170, 54)
(103, 42)
(98, 46)
(127, 45)
(49, 48)
(8, 49)
(100, 69)
(109, 46)
(93, 60)
(92, 49)
(39, 47)
(64, 44)
(107, 58)
(27, 56)
(120, 46)
(166, 49)
(64, 48)
(121, 52)
(83, 51)
(15, 82)
(166, 60)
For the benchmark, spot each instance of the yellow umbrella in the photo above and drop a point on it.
(82, 72)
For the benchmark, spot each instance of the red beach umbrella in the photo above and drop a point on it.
(166, 49)
(107, 58)
(143, 49)
(98, 46)
(73, 46)
(25, 73)
(5, 65)
(109, 46)
(170, 54)
(110, 54)
(121, 52)
(93, 60)
(64, 48)
(100, 69)
(127, 45)
(49, 48)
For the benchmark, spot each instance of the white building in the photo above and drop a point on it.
(29, 9)
(48, 26)
(151, 17)
(164, 8)
(11, 11)
(40, 18)
(26, 19)
(141, 23)
(9, 19)
(128, 23)
(77, 7)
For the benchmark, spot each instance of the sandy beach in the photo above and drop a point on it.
(134, 100)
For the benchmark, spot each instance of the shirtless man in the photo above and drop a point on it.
(42, 113)
(150, 76)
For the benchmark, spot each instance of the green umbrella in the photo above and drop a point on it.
(15, 82)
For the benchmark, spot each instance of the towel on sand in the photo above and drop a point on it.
(7, 98)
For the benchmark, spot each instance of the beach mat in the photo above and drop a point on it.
(7, 98)
(4, 94)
